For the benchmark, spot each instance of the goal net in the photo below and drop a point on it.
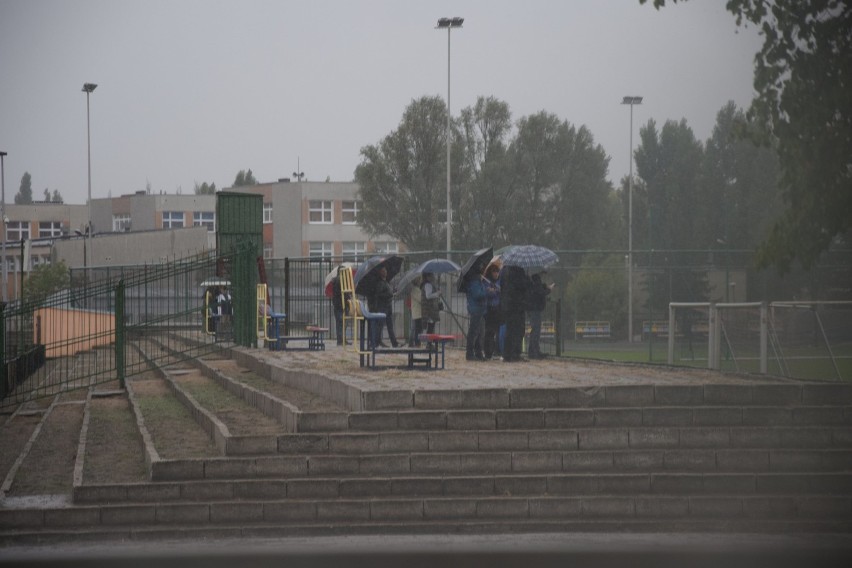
(811, 340)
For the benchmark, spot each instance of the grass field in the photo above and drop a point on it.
(801, 362)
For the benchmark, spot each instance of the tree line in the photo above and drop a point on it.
(543, 180)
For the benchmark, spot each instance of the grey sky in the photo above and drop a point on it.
(194, 91)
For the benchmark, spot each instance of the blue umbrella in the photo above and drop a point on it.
(434, 266)
(529, 256)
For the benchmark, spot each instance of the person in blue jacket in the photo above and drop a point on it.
(477, 305)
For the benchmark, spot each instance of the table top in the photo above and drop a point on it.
(437, 337)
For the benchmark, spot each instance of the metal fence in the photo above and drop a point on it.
(81, 336)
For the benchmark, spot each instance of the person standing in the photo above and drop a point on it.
(493, 316)
(536, 302)
(415, 299)
(513, 289)
(430, 302)
(477, 304)
(381, 300)
(337, 306)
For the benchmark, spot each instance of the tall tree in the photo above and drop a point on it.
(57, 197)
(481, 206)
(740, 192)
(669, 163)
(402, 178)
(25, 193)
(803, 107)
(244, 177)
(207, 189)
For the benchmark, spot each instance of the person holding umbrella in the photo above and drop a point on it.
(493, 316)
(477, 304)
(381, 300)
(536, 301)
(430, 302)
(513, 292)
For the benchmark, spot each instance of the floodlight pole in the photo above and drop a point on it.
(630, 101)
(449, 24)
(88, 88)
(3, 155)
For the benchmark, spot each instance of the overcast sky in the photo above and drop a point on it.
(194, 91)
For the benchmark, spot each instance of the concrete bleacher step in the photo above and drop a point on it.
(476, 482)
(442, 513)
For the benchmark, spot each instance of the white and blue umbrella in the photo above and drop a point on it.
(529, 256)
(433, 266)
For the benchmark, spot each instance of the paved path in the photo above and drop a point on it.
(342, 364)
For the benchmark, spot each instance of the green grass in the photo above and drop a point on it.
(802, 362)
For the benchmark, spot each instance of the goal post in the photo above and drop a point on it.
(791, 339)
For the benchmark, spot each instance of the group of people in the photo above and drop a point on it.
(424, 301)
(502, 297)
(497, 298)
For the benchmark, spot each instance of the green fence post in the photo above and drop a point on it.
(120, 339)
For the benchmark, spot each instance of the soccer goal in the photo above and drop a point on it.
(791, 339)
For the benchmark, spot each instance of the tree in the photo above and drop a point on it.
(402, 178)
(481, 207)
(803, 108)
(669, 163)
(205, 189)
(244, 177)
(739, 182)
(44, 280)
(57, 197)
(25, 194)
(599, 291)
(559, 196)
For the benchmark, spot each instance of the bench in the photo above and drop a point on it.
(434, 340)
(659, 328)
(315, 337)
(592, 330)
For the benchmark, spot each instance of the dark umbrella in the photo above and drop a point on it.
(529, 256)
(474, 264)
(368, 272)
(435, 266)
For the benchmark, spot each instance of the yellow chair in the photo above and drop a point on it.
(351, 313)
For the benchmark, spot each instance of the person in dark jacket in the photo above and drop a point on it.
(337, 306)
(381, 300)
(493, 315)
(477, 304)
(536, 302)
(513, 292)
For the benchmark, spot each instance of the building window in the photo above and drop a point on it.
(356, 249)
(267, 213)
(320, 249)
(204, 219)
(49, 229)
(121, 223)
(172, 219)
(17, 230)
(387, 247)
(349, 212)
(267, 252)
(319, 211)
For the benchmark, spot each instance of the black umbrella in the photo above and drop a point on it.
(474, 265)
(367, 273)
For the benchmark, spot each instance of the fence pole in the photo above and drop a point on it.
(558, 327)
(764, 335)
(3, 367)
(120, 338)
(287, 311)
(671, 337)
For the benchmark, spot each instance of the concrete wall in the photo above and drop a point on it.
(66, 332)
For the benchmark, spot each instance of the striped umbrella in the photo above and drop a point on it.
(529, 256)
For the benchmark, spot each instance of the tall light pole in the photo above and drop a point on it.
(630, 101)
(3, 218)
(88, 88)
(449, 24)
